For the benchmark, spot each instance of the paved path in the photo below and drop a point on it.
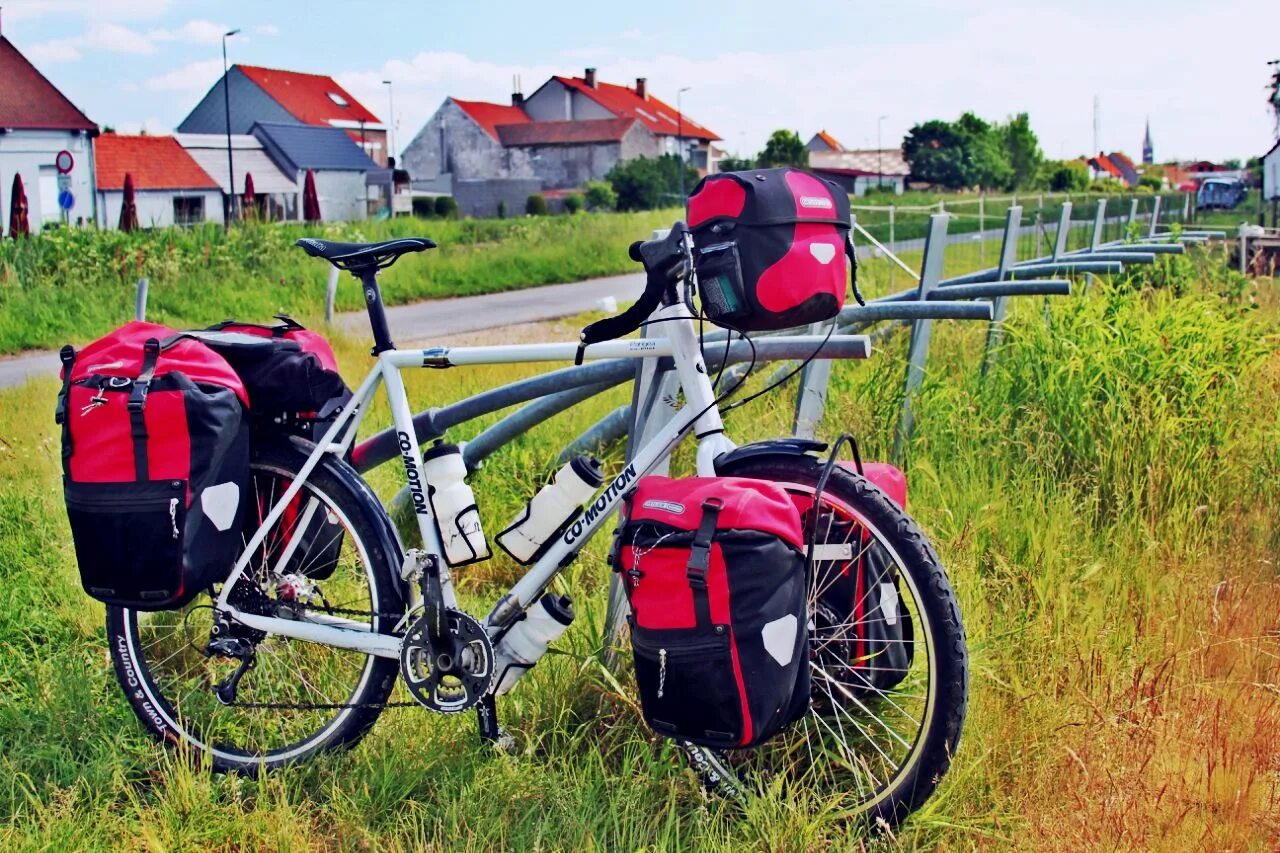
(423, 322)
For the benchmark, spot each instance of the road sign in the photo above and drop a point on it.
(64, 182)
(64, 161)
(66, 200)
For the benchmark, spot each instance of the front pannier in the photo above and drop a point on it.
(771, 248)
(155, 450)
(714, 570)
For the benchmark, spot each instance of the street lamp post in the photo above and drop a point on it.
(226, 103)
(391, 122)
(879, 154)
(680, 138)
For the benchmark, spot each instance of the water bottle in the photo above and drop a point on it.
(551, 508)
(454, 505)
(520, 649)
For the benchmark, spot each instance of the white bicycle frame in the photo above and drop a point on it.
(700, 414)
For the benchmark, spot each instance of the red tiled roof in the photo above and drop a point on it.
(1121, 159)
(306, 96)
(831, 141)
(29, 101)
(565, 132)
(489, 116)
(623, 102)
(1104, 163)
(156, 163)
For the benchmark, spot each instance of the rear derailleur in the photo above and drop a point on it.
(231, 639)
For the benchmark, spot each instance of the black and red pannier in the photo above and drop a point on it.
(714, 569)
(771, 247)
(155, 450)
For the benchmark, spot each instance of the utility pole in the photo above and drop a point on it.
(226, 103)
(680, 139)
(391, 123)
(879, 154)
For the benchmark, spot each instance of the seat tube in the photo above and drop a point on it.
(377, 314)
(699, 394)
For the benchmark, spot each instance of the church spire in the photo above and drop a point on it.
(1148, 152)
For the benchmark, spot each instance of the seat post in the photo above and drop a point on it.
(368, 276)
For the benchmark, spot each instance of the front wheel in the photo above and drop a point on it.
(888, 700)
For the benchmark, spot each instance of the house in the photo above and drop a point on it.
(273, 96)
(341, 168)
(1115, 165)
(278, 194)
(1271, 174)
(169, 186)
(858, 170)
(570, 131)
(36, 123)
(823, 141)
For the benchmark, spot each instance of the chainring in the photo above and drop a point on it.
(438, 679)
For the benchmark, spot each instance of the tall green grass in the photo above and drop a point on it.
(77, 284)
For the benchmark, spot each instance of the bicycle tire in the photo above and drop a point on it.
(941, 632)
(367, 528)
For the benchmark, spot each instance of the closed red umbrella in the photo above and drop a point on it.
(18, 221)
(310, 201)
(129, 207)
(250, 199)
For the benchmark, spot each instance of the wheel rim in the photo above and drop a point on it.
(174, 680)
(858, 741)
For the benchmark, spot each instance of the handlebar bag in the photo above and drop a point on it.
(770, 248)
(155, 453)
(294, 387)
(714, 570)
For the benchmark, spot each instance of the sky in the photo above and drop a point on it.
(1197, 71)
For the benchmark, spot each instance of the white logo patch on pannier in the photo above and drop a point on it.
(219, 504)
(815, 201)
(889, 603)
(665, 506)
(824, 252)
(780, 638)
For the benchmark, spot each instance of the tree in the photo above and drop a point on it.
(536, 205)
(1065, 176)
(600, 196)
(986, 152)
(735, 164)
(935, 151)
(647, 183)
(1023, 148)
(784, 148)
(572, 203)
(446, 207)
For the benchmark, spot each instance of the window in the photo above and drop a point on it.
(188, 210)
(338, 99)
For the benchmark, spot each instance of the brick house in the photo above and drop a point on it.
(270, 95)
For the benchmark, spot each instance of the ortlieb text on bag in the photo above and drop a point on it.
(155, 447)
(715, 574)
(770, 248)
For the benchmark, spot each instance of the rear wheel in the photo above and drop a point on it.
(293, 699)
(872, 744)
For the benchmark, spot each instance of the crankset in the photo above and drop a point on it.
(450, 674)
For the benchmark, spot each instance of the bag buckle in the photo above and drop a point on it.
(142, 385)
(700, 552)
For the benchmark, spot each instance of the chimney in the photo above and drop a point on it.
(517, 98)
(590, 77)
(642, 90)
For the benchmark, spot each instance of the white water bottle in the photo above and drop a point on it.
(454, 505)
(519, 650)
(551, 508)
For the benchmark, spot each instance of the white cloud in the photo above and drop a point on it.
(152, 126)
(112, 38)
(588, 54)
(103, 10)
(193, 76)
(197, 31)
(632, 34)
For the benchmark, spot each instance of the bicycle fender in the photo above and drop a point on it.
(770, 447)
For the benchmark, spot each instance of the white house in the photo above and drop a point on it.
(170, 188)
(36, 123)
(1271, 173)
(278, 195)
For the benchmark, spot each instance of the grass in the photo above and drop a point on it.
(1104, 500)
(78, 284)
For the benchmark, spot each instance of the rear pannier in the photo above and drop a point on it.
(771, 248)
(714, 570)
(155, 450)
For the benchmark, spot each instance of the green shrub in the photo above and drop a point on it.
(502, 209)
(447, 207)
(536, 205)
(572, 203)
(424, 208)
(600, 196)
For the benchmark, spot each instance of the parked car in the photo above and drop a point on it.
(1220, 194)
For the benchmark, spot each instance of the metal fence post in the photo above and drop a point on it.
(140, 302)
(918, 351)
(1099, 223)
(1155, 217)
(1244, 252)
(1133, 217)
(330, 294)
(1064, 229)
(982, 229)
(892, 240)
(1008, 255)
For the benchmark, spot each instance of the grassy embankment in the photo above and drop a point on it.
(1105, 501)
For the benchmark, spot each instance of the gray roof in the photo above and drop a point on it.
(297, 147)
(210, 151)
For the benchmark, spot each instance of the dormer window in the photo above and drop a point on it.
(338, 99)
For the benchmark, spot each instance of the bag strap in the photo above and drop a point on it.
(700, 559)
(137, 403)
(67, 355)
(853, 267)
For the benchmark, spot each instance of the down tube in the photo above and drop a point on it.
(529, 587)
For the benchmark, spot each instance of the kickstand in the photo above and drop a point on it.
(490, 731)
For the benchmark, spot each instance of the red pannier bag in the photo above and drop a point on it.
(714, 570)
(771, 248)
(155, 451)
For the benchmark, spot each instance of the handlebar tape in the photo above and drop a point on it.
(611, 328)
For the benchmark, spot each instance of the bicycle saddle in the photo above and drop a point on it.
(355, 256)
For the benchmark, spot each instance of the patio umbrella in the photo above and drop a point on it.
(18, 222)
(250, 200)
(310, 201)
(129, 208)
